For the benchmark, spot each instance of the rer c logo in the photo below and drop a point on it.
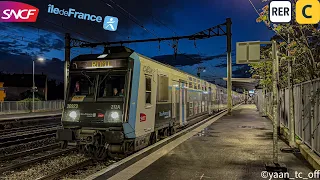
(11, 11)
(308, 11)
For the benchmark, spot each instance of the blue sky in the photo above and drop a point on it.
(183, 17)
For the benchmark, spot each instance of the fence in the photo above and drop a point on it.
(10, 107)
(306, 111)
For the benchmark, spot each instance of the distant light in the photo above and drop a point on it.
(40, 59)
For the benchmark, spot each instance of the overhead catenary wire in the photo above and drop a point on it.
(137, 22)
(266, 22)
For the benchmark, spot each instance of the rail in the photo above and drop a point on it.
(306, 104)
(12, 107)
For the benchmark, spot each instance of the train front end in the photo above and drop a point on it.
(97, 103)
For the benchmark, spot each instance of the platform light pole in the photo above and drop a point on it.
(33, 81)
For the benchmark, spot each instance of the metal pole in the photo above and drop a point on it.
(46, 89)
(275, 101)
(33, 85)
(66, 63)
(229, 64)
(291, 101)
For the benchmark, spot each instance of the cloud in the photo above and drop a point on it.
(11, 63)
(58, 44)
(45, 43)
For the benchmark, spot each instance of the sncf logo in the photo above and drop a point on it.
(17, 12)
(143, 117)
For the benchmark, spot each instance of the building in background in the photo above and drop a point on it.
(19, 86)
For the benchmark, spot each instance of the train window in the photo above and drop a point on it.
(82, 84)
(191, 109)
(148, 89)
(163, 85)
(111, 85)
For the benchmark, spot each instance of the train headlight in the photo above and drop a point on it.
(73, 114)
(114, 115)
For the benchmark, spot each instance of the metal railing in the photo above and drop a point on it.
(306, 111)
(11, 107)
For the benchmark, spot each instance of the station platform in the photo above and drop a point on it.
(233, 147)
(4, 117)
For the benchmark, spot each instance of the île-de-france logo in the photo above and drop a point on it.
(11, 11)
(110, 23)
(307, 11)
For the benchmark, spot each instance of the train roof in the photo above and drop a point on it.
(117, 52)
(122, 52)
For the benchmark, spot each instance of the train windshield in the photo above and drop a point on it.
(111, 86)
(82, 85)
(102, 86)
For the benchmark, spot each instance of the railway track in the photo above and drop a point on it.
(26, 140)
(29, 151)
(6, 124)
(27, 135)
(8, 165)
(67, 170)
(24, 128)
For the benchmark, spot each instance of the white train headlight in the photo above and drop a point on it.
(72, 115)
(114, 115)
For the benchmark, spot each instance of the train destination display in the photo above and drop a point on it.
(99, 64)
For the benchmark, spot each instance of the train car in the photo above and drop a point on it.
(120, 101)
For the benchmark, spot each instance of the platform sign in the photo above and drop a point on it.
(249, 52)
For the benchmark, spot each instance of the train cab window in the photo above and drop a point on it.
(111, 86)
(82, 84)
(148, 89)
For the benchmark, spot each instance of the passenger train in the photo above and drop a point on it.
(120, 101)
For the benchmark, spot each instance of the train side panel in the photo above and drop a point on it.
(146, 104)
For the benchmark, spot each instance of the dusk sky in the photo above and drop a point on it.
(161, 18)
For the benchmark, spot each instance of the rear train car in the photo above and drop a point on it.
(120, 102)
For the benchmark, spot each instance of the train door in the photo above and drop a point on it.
(173, 100)
(182, 103)
(209, 101)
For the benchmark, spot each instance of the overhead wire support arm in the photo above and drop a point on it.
(208, 33)
(77, 42)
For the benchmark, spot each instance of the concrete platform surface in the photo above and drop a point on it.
(29, 115)
(231, 148)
